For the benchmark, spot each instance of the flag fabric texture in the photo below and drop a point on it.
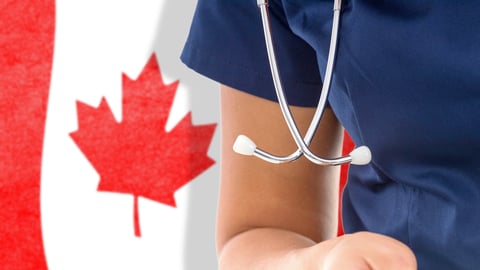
(108, 144)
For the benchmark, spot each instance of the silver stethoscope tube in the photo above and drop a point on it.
(246, 146)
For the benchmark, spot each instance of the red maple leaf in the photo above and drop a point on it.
(137, 156)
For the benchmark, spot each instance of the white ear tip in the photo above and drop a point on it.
(243, 145)
(361, 155)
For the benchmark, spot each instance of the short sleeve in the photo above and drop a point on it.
(226, 44)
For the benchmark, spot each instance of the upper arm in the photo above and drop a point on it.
(298, 196)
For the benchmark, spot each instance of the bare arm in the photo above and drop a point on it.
(272, 216)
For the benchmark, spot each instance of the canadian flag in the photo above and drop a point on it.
(108, 144)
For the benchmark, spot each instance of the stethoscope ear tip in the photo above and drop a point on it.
(361, 155)
(244, 145)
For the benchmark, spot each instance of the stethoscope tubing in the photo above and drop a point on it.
(302, 143)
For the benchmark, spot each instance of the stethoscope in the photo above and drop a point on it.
(244, 145)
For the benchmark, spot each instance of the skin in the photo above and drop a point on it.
(285, 216)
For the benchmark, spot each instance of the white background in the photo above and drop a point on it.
(95, 42)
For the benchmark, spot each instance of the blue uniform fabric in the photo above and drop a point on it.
(406, 83)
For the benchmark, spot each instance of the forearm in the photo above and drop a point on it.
(276, 249)
(267, 248)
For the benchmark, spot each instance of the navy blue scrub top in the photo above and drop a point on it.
(406, 84)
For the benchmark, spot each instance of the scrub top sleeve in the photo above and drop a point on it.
(226, 44)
